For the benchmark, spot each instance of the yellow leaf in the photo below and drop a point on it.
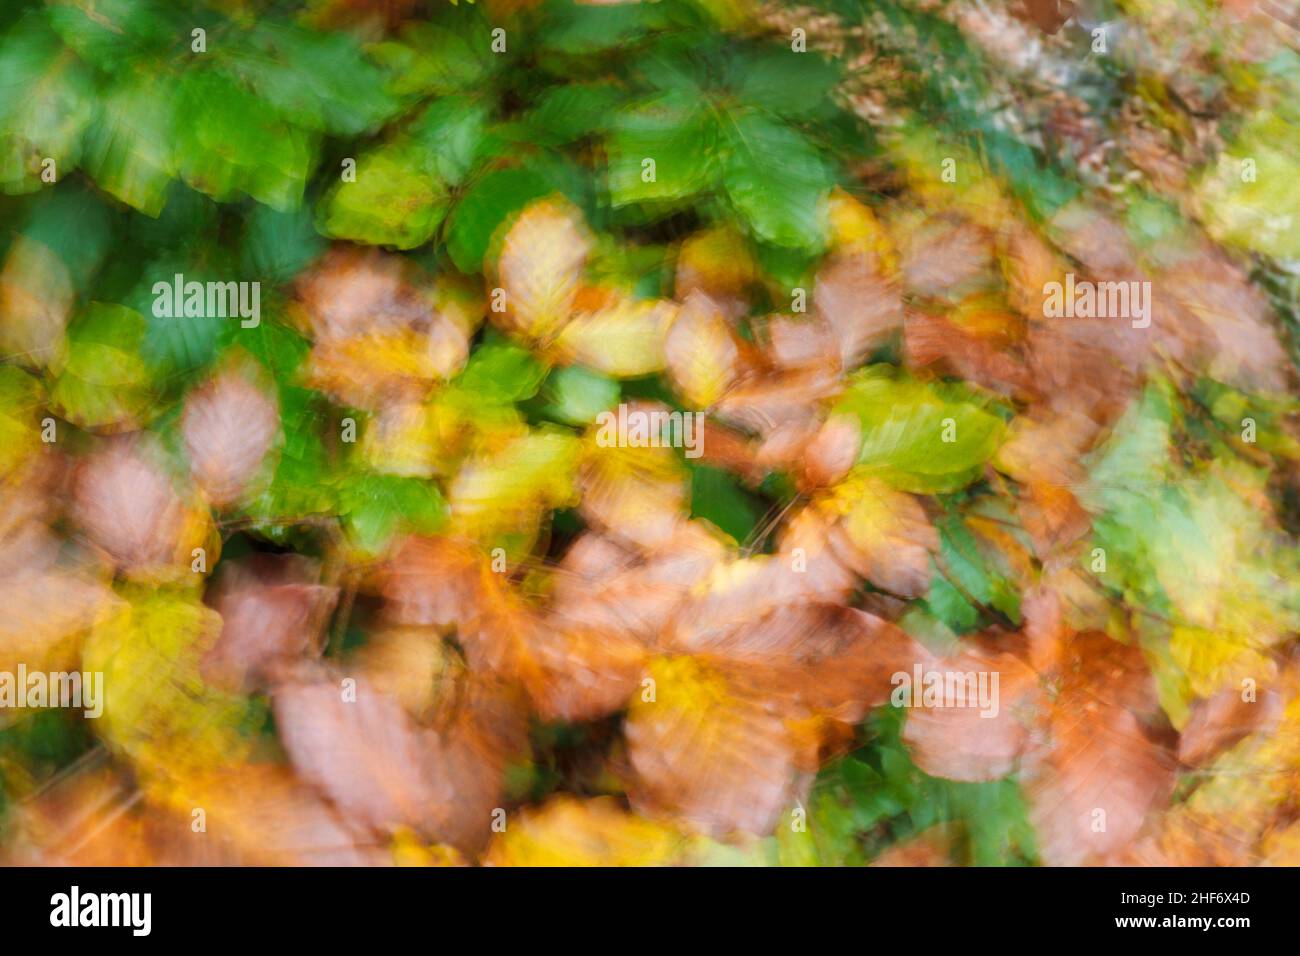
(702, 357)
(624, 340)
(540, 268)
(1213, 661)
(158, 710)
(567, 831)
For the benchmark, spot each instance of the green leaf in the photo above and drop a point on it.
(111, 34)
(575, 395)
(584, 28)
(453, 130)
(129, 145)
(229, 141)
(318, 80)
(905, 426)
(574, 110)
(46, 101)
(377, 506)
(397, 200)
(784, 82)
(304, 482)
(186, 215)
(950, 606)
(892, 800)
(1136, 458)
(502, 373)
(487, 204)
(716, 497)
(278, 245)
(971, 576)
(678, 136)
(437, 58)
(1259, 215)
(104, 382)
(180, 344)
(74, 223)
(280, 349)
(776, 180)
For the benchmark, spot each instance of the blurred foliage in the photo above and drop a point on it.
(471, 247)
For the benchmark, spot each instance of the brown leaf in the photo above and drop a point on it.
(883, 535)
(603, 586)
(127, 503)
(1092, 785)
(717, 760)
(930, 341)
(1095, 238)
(260, 815)
(830, 455)
(762, 404)
(1223, 322)
(1048, 15)
(1047, 448)
(954, 736)
(479, 733)
(932, 847)
(861, 305)
(825, 658)
(1029, 263)
(947, 257)
(805, 543)
(382, 769)
(353, 291)
(374, 369)
(47, 609)
(1101, 670)
(732, 450)
(1220, 722)
(94, 818)
(583, 674)
(1087, 366)
(364, 754)
(228, 426)
(805, 341)
(448, 584)
(272, 611)
(1091, 795)
(253, 815)
(1052, 517)
(432, 582)
(379, 334)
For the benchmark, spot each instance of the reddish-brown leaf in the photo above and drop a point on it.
(272, 610)
(228, 426)
(127, 503)
(958, 738)
(1219, 722)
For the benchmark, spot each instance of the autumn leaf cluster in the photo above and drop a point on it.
(368, 584)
